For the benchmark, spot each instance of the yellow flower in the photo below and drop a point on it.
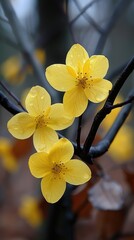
(56, 169)
(30, 211)
(14, 69)
(42, 119)
(8, 159)
(122, 149)
(81, 78)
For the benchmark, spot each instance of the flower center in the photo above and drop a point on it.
(41, 121)
(81, 80)
(57, 168)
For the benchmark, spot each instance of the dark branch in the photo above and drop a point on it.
(83, 11)
(12, 95)
(23, 39)
(107, 106)
(121, 80)
(8, 105)
(79, 133)
(119, 9)
(105, 143)
(87, 17)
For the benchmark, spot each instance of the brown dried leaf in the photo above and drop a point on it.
(107, 195)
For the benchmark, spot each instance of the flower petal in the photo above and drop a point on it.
(98, 90)
(78, 172)
(58, 119)
(76, 57)
(44, 138)
(52, 188)
(99, 65)
(59, 77)
(75, 101)
(39, 165)
(21, 126)
(61, 152)
(37, 101)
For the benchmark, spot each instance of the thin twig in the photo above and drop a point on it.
(8, 105)
(121, 80)
(106, 108)
(83, 11)
(8, 40)
(12, 95)
(105, 143)
(4, 20)
(116, 72)
(122, 103)
(88, 17)
(119, 9)
(79, 132)
(23, 40)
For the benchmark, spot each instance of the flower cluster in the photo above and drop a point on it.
(81, 79)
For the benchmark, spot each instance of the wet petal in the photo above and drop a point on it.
(59, 77)
(77, 172)
(99, 66)
(58, 119)
(21, 126)
(62, 151)
(52, 188)
(44, 138)
(98, 90)
(39, 164)
(75, 101)
(37, 101)
(76, 57)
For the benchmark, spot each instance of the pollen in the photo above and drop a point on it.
(41, 121)
(57, 168)
(82, 80)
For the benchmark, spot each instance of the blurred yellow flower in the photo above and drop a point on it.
(42, 119)
(122, 149)
(9, 161)
(81, 78)
(31, 211)
(56, 169)
(14, 69)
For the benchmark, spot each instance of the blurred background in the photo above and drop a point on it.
(50, 28)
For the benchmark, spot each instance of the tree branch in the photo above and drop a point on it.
(8, 105)
(105, 143)
(12, 95)
(107, 106)
(119, 9)
(23, 40)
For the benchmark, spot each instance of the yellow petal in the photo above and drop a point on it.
(44, 138)
(98, 90)
(39, 165)
(61, 152)
(75, 101)
(59, 77)
(99, 66)
(21, 126)
(37, 101)
(52, 188)
(76, 57)
(58, 119)
(77, 172)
